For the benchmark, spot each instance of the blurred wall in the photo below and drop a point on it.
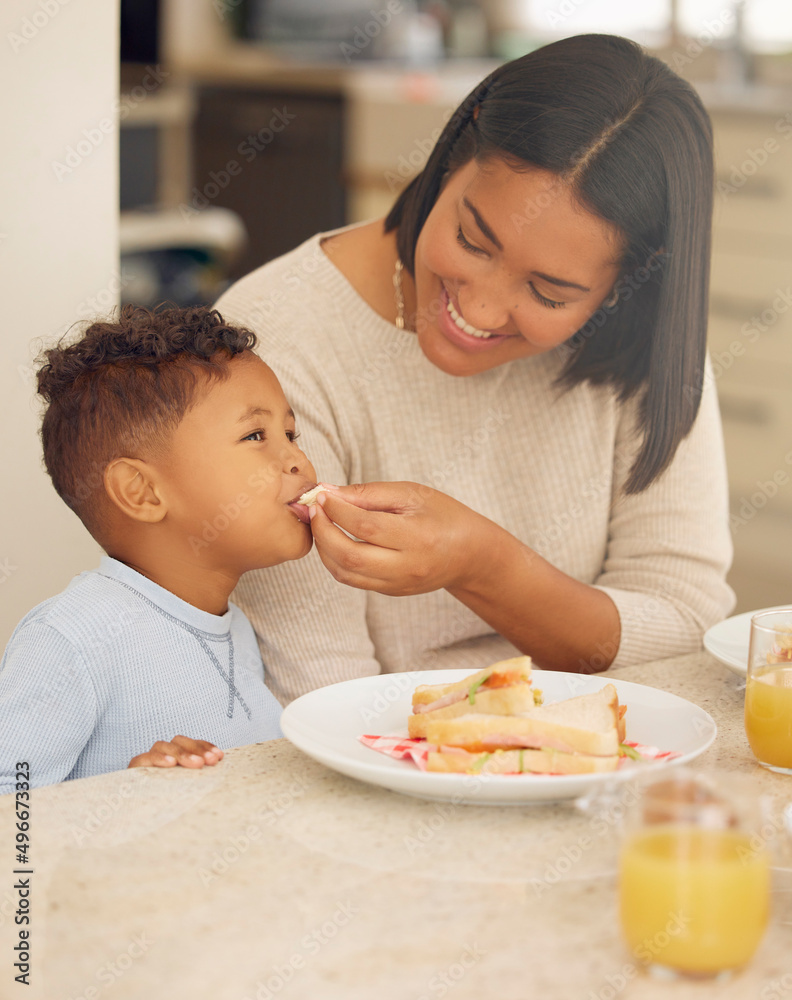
(58, 259)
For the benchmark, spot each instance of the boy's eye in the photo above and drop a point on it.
(255, 436)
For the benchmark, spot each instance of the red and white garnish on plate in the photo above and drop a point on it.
(404, 748)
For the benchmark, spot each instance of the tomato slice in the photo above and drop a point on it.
(502, 680)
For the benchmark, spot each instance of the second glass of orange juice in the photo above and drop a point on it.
(768, 690)
(694, 883)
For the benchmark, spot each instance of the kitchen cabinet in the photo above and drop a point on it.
(394, 118)
(750, 337)
(273, 156)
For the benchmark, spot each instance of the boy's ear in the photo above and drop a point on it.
(132, 486)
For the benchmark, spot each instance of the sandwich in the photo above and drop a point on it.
(308, 499)
(581, 735)
(504, 688)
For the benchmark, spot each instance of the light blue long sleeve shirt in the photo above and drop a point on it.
(96, 675)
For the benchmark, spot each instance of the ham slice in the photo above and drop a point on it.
(506, 678)
(507, 741)
(447, 699)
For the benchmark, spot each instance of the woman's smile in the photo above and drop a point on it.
(456, 329)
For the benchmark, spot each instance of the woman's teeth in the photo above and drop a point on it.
(463, 324)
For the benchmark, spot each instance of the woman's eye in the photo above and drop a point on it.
(255, 436)
(548, 303)
(466, 244)
(292, 435)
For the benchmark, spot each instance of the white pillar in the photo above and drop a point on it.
(58, 259)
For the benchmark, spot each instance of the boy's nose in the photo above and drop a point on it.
(295, 462)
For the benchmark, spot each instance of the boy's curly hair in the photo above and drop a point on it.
(120, 390)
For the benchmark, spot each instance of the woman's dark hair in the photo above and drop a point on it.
(122, 388)
(634, 143)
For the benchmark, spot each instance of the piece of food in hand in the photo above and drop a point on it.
(454, 760)
(309, 497)
(504, 688)
(587, 725)
(305, 500)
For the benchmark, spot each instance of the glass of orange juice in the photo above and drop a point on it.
(768, 689)
(694, 880)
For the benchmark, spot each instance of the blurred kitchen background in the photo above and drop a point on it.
(245, 126)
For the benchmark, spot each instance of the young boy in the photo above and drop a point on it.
(174, 444)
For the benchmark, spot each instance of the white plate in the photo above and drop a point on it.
(326, 724)
(728, 640)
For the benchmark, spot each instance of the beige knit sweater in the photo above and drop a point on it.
(547, 466)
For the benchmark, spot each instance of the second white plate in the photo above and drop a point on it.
(326, 724)
(728, 640)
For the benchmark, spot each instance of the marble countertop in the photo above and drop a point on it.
(270, 875)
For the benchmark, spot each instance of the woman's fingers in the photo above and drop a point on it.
(395, 498)
(423, 541)
(373, 526)
(342, 555)
(363, 565)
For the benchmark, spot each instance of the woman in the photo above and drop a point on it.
(525, 333)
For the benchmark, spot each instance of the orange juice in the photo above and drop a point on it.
(768, 715)
(692, 899)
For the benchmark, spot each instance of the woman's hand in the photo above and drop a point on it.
(413, 539)
(181, 750)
